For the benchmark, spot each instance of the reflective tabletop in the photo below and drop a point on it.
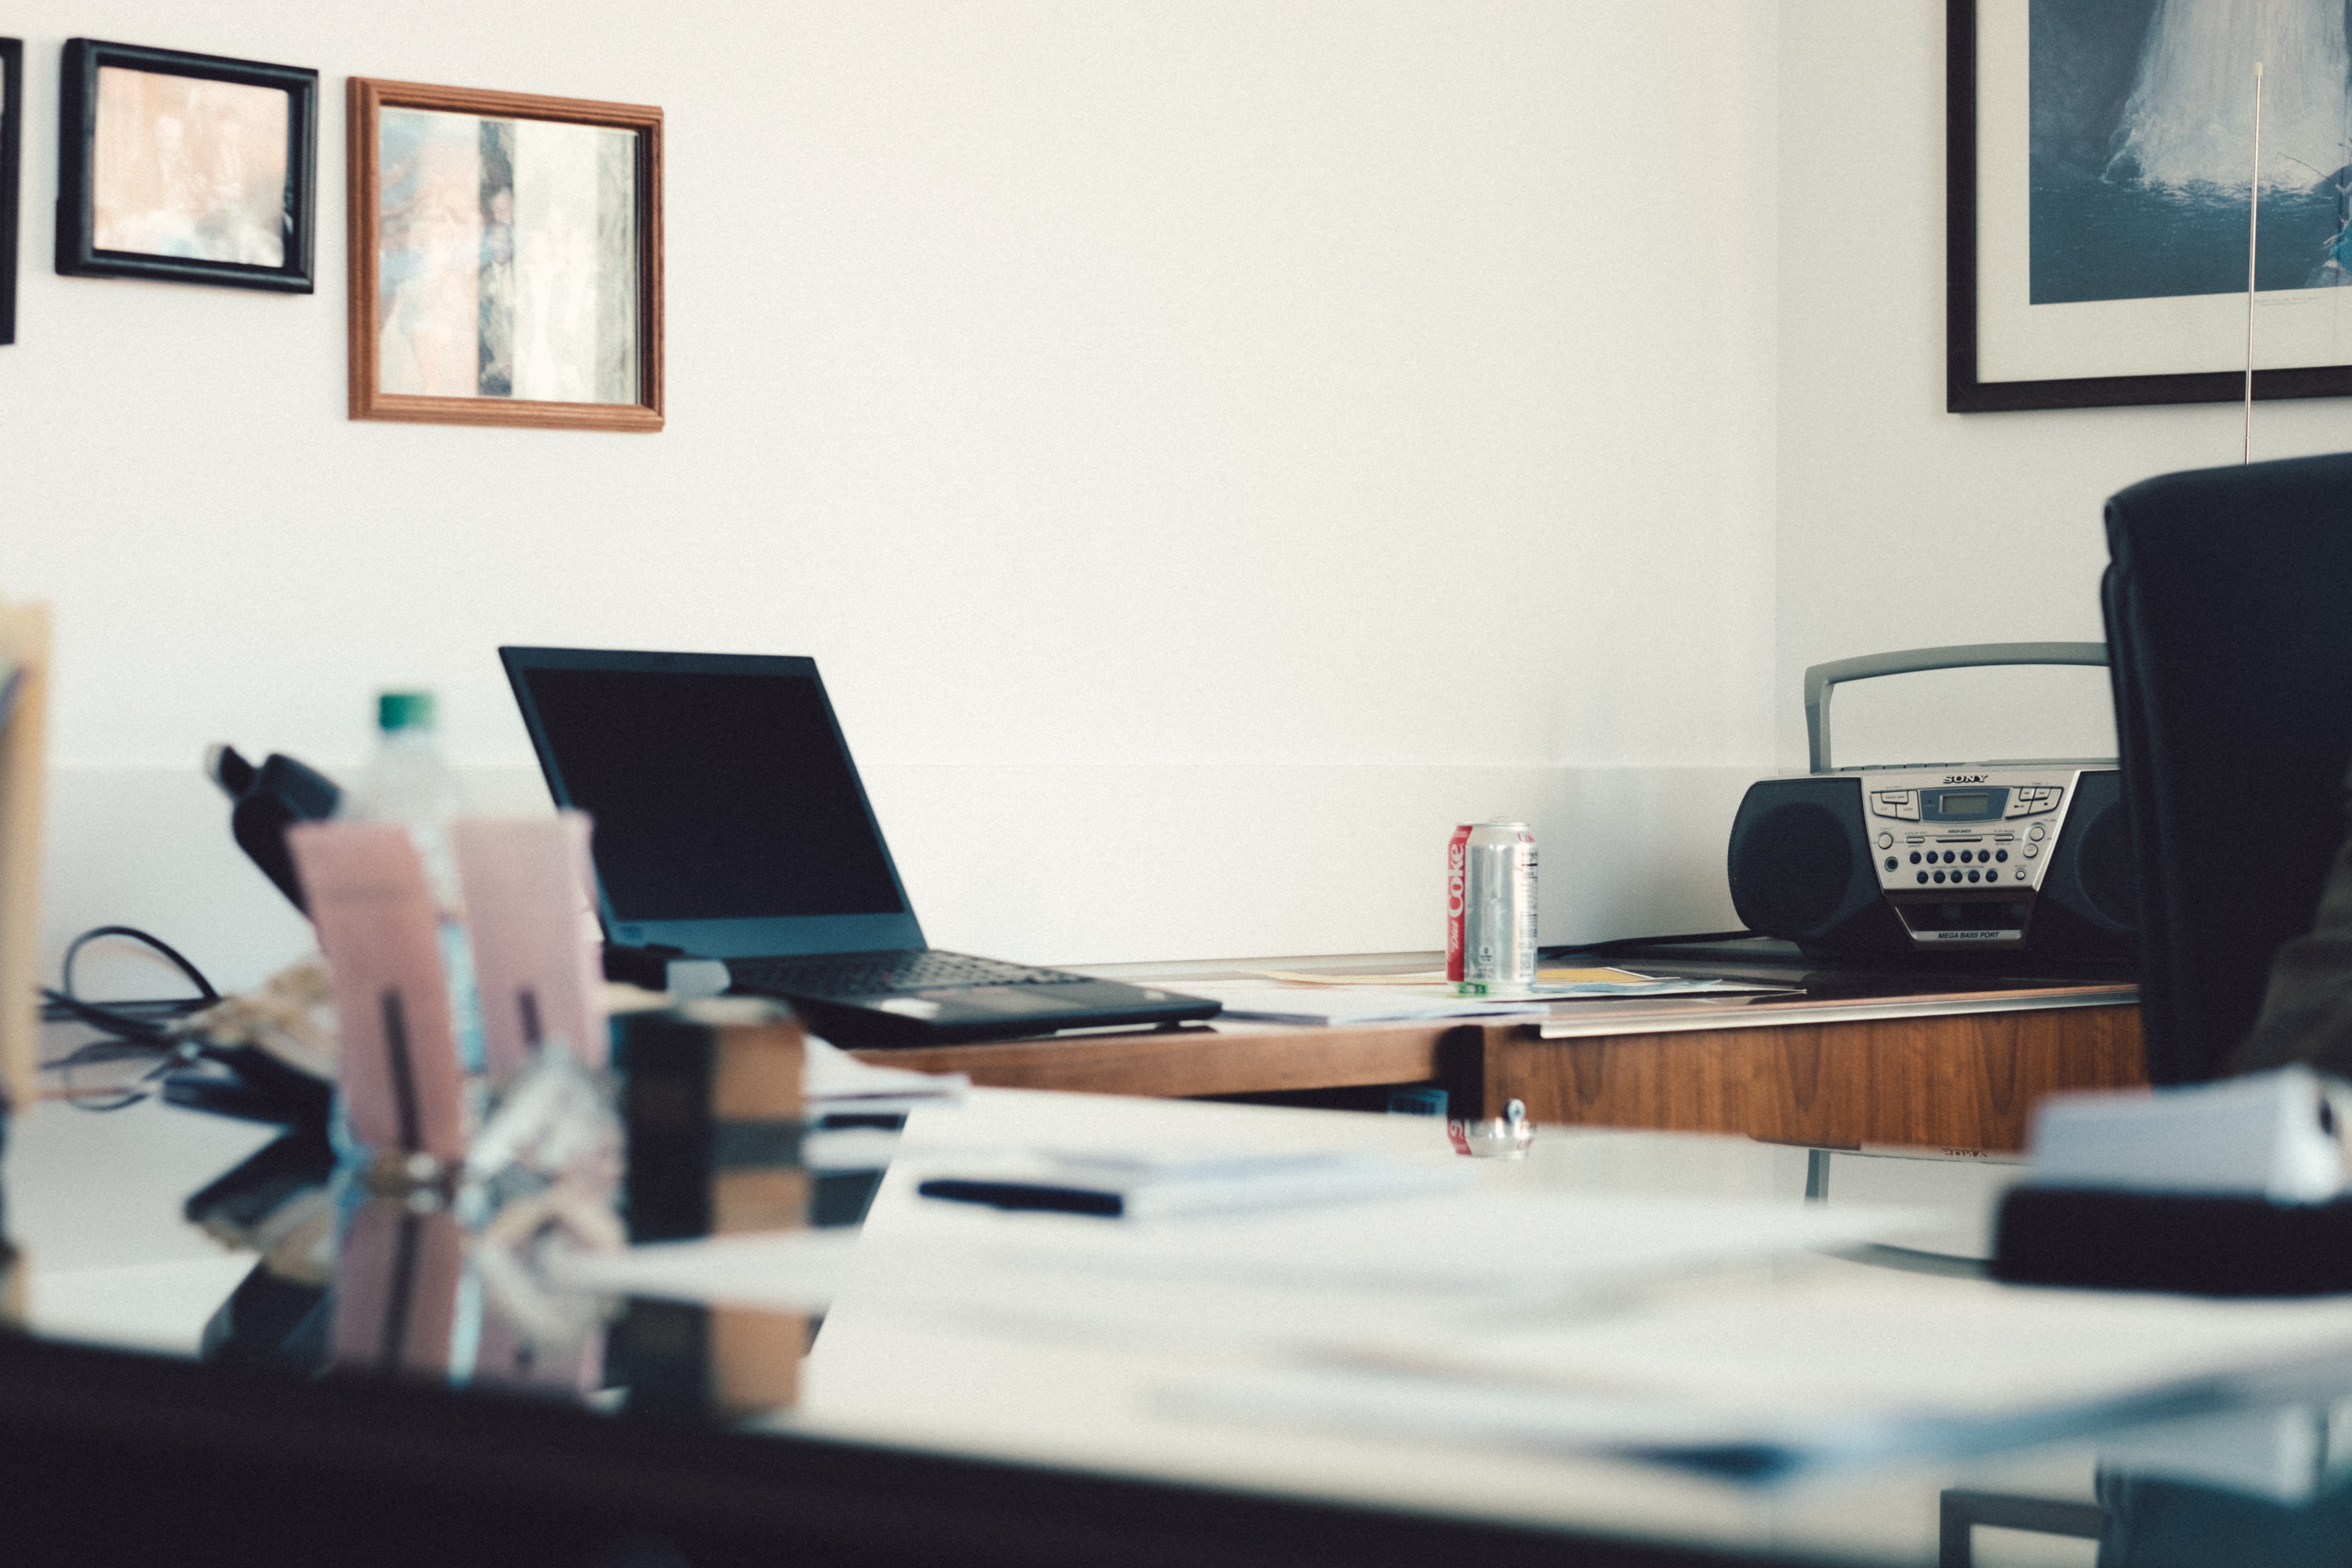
(1626, 1347)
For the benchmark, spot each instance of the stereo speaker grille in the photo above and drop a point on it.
(1794, 867)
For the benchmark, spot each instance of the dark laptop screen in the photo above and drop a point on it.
(716, 795)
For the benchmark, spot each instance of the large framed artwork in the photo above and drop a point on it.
(506, 259)
(2099, 160)
(185, 168)
(12, 148)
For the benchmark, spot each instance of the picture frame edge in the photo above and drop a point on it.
(12, 181)
(407, 408)
(1960, 381)
(359, 163)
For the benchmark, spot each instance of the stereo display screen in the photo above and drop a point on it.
(1978, 803)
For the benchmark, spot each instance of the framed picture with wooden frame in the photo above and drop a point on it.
(506, 259)
(2101, 216)
(183, 168)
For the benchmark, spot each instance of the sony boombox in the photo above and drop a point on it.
(2032, 857)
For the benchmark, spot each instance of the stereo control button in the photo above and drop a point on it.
(1914, 857)
(2037, 832)
(1908, 810)
(2021, 873)
(1887, 841)
(1939, 876)
(1923, 876)
(1974, 875)
(2000, 854)
(2030, 851)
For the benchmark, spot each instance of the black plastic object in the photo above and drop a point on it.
(2226, 609)
(2171, 1241)
(248, 1084)
(270, 799)
(642, 966)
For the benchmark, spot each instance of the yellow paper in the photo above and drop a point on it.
(1593, 977)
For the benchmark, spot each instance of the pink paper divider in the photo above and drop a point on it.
(528, 883)
(403, 1089)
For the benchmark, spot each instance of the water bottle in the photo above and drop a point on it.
(409, 781)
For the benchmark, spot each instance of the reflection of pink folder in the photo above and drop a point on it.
(382, 936)
(506, 1357)
(529, 898)
(396, 1286)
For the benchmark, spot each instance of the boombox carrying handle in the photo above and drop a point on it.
(1821, 677)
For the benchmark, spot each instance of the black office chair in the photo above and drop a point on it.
(2229, 609)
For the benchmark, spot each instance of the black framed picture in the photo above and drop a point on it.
(12, 149)
(185, 168)
(2101, 197)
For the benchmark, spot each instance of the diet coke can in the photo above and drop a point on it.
(1490, 908)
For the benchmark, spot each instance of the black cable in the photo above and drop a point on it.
(133, 933)
(132, 1028)
(1627, 943)
(139, 1018)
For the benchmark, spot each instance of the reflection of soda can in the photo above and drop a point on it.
(1490, 907)
(1504, 1137)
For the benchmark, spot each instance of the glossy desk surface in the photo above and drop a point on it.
(932, 1333)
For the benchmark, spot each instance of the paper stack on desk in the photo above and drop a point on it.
(833, 1079)
(1551, 985)
(1282, 1004)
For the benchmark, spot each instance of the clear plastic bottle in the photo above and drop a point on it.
(409, 781)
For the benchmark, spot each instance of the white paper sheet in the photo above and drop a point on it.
(1762, 1381)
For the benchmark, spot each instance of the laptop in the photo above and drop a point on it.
(731, 825)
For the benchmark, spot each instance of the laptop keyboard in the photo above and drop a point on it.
(879, 974)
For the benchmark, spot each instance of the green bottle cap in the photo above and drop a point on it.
(403, 711)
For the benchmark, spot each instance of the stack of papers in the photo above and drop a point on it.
(831, 1078)
(1557, 983)
(1354, 1005)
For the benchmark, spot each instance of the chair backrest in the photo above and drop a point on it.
(2229, 609)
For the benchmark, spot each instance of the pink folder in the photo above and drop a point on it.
(377, 925)
(531, 903)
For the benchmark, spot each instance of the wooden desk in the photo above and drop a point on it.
(1959, 1072)
(1941, 1062)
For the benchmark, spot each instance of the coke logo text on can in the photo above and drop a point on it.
(1456, 863)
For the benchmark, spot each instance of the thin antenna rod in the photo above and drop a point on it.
(2254, 232)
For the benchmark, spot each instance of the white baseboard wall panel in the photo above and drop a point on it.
(1046, 864)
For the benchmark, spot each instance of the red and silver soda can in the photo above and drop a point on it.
(1490, 907)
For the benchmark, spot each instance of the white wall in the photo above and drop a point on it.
(1903, 526)
(1174, 428)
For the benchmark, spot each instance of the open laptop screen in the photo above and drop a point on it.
(715, 795)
